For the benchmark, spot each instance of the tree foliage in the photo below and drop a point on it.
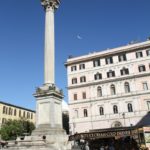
(13, 128)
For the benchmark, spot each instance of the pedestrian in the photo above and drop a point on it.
(102, 148)
(111, 147)
(87, 146)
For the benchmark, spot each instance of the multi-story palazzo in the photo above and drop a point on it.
(9, 111)
(109, 88)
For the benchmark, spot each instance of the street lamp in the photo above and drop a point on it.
(123, 115)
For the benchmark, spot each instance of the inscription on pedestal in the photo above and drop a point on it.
(44, 110)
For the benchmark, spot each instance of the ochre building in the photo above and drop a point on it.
(10, 111)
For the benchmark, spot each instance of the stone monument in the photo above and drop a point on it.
(49, 134)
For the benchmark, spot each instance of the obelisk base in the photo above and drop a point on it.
(49, 134)
(57, 141)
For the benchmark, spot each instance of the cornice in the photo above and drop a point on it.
(113, 79)
(106, 53)
(114, 65)
(131, 94)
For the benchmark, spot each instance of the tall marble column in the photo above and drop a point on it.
(49, 52)
(49, 134)
(48, 96)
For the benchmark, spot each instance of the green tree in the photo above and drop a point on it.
(13, 128)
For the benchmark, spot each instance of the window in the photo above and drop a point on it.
(139, 54)
(15, 112)
(130, 109)
(85, 113)
(19, 113)
(122, 57)
(84, 95)
(76, 113)
(10, 111)
(112, 89)
(145, 86)
(24, 114)
(99, 91)
(148, 105)
(3, 120)
(111, 74)
(148, 52)
(126, 87)
(28, 115)
(96, 63)
(75, 96)
(109, 60)
(124, 71)
(101, 111)
(74, 81)
(31, 115)
(142, 68)
(115, 109)
(82, 66)
(98, 76)
(4, 109)
(73, 68)
(83, 79)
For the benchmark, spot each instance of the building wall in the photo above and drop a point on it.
(7, 111)
(138, 95)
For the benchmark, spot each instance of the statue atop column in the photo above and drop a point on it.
(50, 3)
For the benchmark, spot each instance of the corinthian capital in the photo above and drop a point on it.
(47, 4)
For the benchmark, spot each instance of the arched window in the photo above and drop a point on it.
(126, 87)
(4, 109)
(76, 113)
(99, 91)
(85, 112)
(112, 89)
(130, 109)
(101, 111)
(116, 124)
(115, 109)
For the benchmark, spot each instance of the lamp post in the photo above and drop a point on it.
(123, 115)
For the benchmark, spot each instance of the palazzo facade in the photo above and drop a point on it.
(109, 88)
(9, 111)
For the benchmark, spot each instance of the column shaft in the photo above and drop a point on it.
(49, 58)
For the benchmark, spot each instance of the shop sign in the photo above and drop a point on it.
(101, 135)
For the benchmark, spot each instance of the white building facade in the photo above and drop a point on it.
(109, 88)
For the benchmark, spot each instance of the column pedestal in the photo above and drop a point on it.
(49, 134)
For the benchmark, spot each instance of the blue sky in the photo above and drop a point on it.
(81, 26)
